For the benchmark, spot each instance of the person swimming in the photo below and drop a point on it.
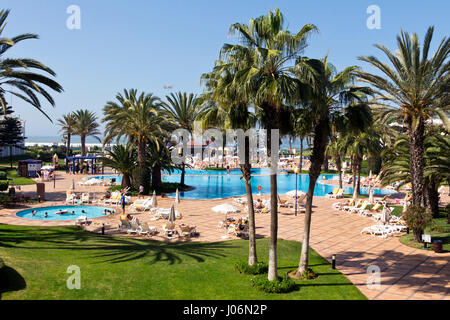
(73, 212)
(82, 211)
(33, 212)
(46, 215)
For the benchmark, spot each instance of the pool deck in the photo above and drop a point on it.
(406, 273)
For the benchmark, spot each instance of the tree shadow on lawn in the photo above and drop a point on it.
(10, 280)
(108, 249)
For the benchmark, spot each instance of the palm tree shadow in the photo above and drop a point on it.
(10, 280)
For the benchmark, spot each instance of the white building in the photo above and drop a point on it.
(16, 151)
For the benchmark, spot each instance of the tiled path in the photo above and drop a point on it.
(406, 273)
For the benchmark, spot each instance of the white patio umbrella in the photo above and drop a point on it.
(370, 174)
(292, 193)
(177, 197)
(371, 194)
(172, 214)
(154, 201)
(225, 209)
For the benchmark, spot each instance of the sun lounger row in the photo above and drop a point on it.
(336, 194)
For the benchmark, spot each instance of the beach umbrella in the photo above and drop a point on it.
(154, 202)
(371, 194)
(172, 215)
(292, 193)
(177, 197)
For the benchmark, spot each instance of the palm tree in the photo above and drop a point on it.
(414, 89)
(223, 109)
(16, 76)
(138, 119)
(262, 59)
(182, 109)
(86, 125)
(333, 102)
(67, 124)
(123, 159)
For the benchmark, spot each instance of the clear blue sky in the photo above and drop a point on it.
(150, 44)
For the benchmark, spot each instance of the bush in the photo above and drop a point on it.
(3, 175)
(257, 268)
(4, 185)
(417, 219)
(308, 274)
(284, 284)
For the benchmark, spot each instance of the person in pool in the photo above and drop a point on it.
(46, 215)
(33, 212)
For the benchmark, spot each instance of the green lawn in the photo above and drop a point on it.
(117, 268)
(15, 179)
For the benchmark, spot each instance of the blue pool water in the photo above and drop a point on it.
(209, 185)
(89, 212)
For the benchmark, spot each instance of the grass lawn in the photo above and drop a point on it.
(118, 268)
(15, 179)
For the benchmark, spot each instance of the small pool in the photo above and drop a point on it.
(87, 211)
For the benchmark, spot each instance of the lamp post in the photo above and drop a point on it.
(297, 171)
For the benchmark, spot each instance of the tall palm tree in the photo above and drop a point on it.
(223, 109)
(86, 125)
(414, 87)
(262, 58)
(333, 101)
(138, 119)
(67, 124)
(123, 159)
(16, 76)
(182, 109)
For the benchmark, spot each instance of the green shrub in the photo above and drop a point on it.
(284, 284)
(257, 268)
(3, 175)
(417, 219)
(4, 185)
(308, 274)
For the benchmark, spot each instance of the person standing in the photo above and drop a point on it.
(141, 191)
(123, 203)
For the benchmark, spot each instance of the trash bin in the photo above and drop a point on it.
(40, 191)
(437, 246)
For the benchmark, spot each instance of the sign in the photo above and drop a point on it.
(426, 238)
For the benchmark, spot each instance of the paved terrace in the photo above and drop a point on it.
(406, 273)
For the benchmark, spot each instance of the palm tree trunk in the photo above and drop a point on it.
(68, 145)
(126, 181)
(246, 173)
(317, 158)
(358, 168)
(83, 145)
(183, 172)
(156, 178)
(433, 198)
(273, 123)
(339, 168)
(416, 152)
(142, 177)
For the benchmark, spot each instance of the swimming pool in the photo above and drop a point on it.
(209, 185)
(87, 211)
